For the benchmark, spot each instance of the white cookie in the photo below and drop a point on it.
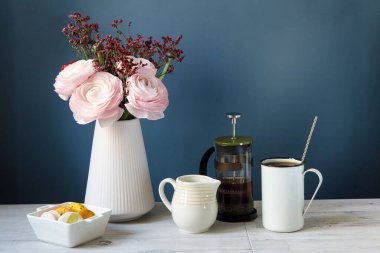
(48, 216)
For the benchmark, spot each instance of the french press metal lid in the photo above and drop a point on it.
(233, 164)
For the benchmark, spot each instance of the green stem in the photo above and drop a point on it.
(100, 58)
(82, 51)
(125, 115)
(165, 69)
(121, 32)
(106, 58)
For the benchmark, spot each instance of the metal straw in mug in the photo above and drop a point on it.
(309, 138)
(313, 170)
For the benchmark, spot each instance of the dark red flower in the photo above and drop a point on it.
(67, 64)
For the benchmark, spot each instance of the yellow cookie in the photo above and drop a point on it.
(87, 214)
(77, 207)
(81, 209)
(63, 209)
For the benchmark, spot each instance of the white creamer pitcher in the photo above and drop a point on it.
(194, 207)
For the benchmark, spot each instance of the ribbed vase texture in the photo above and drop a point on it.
(119, 176)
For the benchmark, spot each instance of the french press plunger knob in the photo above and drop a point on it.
(233, 116)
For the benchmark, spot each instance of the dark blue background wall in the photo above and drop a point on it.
(278, 62)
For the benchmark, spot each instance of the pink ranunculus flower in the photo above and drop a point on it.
(147, 96)
(144, 65)
(71, 76)
(98, 99)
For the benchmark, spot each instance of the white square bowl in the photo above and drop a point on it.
(69, 235)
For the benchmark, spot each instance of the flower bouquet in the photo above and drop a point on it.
(118, 77)
(117, 81)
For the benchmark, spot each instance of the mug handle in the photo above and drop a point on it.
(161, 191)
(319, 174)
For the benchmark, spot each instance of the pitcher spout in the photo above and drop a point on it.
(215, 185)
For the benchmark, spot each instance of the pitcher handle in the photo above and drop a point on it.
(161, 191)
(319, 174)
(203, 164)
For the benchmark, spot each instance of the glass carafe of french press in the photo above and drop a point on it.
(233, 164)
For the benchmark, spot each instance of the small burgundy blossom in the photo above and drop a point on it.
(67, 64)
(80, 34)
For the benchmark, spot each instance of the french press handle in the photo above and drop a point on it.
(204, 161)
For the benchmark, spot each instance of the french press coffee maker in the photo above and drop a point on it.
(233, 164)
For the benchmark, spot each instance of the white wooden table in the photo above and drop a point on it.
(330, 226)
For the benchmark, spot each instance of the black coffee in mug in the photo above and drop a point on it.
(282, 164)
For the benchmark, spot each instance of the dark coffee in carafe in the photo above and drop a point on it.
(235, 197)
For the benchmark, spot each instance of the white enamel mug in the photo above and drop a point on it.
(283, 193)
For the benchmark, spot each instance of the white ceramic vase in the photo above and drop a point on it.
(119, 177)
